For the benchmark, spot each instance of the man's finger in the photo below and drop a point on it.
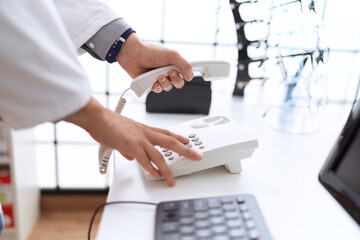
(175, 145)
(185, 67)
(176, 79)
(181, 138)
(157, 158)
(165, 83)
(157, 88)
(144, 161)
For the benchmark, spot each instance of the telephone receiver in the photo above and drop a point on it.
(210, 70)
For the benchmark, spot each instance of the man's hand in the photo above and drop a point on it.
(137, 57)
(132, 139)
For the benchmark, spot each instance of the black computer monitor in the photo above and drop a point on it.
(340, 174)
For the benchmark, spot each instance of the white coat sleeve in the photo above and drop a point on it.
(41, 78)
(83, 18)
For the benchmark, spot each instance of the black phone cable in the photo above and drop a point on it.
(111, 203)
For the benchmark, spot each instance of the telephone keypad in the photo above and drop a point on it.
(193, 138)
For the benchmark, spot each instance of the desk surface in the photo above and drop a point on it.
(282, 174)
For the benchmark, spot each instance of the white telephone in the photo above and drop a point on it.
(210, 70)
(220, 140)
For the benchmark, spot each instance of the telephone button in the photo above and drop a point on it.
(202, 147)
(165, 150)
(167, 154)
(194, 139)
(171, 158)
(198, 143)
(192, 135)
(189, 145)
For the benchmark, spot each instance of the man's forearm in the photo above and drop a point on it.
(92, 113)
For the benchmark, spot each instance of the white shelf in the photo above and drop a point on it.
(23, 190)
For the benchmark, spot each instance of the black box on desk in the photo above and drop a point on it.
(193, 98)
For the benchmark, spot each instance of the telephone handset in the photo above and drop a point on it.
(210, 70)
(221, 140)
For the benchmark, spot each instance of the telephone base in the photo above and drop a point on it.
(232, 166)
(222, 141)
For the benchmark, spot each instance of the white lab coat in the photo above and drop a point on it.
(41, 78)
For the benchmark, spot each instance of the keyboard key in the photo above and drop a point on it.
(219, 229)
(186, 238)
(254, 235)
(200, 205)
(222, 237)
(234, 223)
(215, 212)
(214, 203)
(203, 233)
(243, 207)
(171, 216)
(249, 224)
(170, 206)
(201, 215)
(217, 220)
(186, 209)
(186, 221)
(230, 207)
(237, 232)
(202, 223)
(227, 200)
(187, 230)
(170, 227)
(231, 215)
(246, 215)
(240, 199)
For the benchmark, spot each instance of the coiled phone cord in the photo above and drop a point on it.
(105, 153)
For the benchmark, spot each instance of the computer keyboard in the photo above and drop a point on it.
(214, 218)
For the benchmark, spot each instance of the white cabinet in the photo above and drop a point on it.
(19, 193)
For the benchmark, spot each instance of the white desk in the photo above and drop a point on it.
(282, 174)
